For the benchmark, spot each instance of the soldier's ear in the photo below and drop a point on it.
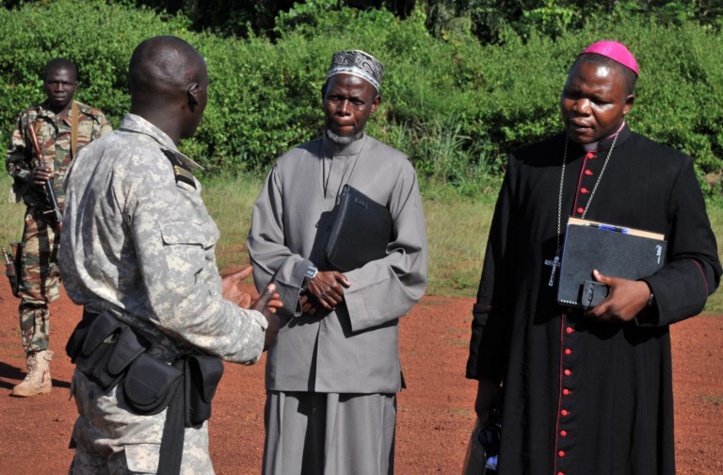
(192, 95)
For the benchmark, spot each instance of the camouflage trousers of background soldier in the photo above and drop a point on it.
(38, 284)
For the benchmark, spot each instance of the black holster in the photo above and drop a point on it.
(202, 374)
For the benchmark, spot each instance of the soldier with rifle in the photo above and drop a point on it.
(46, 138)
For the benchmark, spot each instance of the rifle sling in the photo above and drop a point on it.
(73, 129)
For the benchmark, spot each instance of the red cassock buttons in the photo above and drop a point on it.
(563, 433)
(569, 330)
(568, 351)
(564, 412)
(584, 191)
(561, 453)
(560, 473)
(580, 210)
(589, 155)
(568, 372)
(588, 172)
(566, 392)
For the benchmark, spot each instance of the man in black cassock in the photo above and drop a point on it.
(588, 392)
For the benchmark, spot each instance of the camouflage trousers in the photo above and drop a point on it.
(109, 439)
(38, 280)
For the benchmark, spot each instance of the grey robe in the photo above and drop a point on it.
(354, 348)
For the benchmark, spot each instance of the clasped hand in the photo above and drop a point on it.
(324, 293)
(40, 175)
(624, 301)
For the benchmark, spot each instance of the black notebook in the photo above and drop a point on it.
(616, 251)
(360, 233)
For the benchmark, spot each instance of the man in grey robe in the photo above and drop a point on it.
(333, 374)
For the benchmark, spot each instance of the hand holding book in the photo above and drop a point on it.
(626, 299)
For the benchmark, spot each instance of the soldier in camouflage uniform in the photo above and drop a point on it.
(62, 127)
(139, 242)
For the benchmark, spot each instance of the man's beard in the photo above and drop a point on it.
(344, 139)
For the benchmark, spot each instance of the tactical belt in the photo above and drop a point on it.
(105, 350)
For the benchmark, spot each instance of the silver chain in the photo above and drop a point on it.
(592, 194)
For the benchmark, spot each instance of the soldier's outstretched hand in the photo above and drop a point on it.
(231, 287)
(267, 303)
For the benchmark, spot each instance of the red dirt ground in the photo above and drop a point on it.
(435, 412)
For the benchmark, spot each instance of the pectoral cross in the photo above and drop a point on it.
(555, 263)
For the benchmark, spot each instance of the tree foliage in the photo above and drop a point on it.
(489, 19)
(486, 19)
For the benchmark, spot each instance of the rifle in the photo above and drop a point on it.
(48, 184)
(10, 269)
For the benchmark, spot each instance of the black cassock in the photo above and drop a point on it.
(581, 397)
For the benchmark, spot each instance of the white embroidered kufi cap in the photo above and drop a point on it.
(357, 63)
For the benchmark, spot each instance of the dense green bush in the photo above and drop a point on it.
(456, 106)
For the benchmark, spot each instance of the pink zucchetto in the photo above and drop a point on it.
(615, 51)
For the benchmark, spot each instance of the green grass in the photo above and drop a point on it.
(456, 238)
(230, 202)
(456, 230)
(11, 224)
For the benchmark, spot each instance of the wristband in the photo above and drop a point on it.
(308, 276)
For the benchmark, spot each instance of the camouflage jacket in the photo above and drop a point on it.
(138, 239)
(54, 138)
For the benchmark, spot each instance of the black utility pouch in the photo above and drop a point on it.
(150, 385)
(96, 341)
(75, 342)
(129, 346)
(202, 375)
(102, 347)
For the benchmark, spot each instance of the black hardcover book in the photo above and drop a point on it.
(360, 233)
(615, 251)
